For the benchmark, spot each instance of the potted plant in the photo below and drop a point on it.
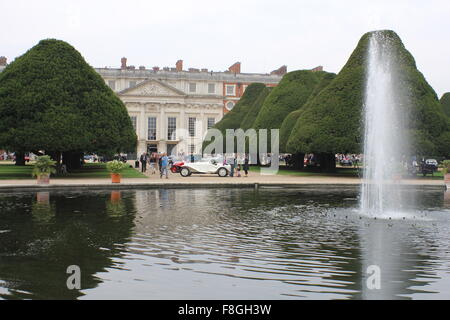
(446, 171)
(115, 167)
(43, 168)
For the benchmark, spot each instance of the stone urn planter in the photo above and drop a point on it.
(115, 177)
(115, 167)
(43, 168)
(43, 179)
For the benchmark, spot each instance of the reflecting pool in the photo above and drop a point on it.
(270, 243)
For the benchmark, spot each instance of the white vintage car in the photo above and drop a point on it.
(212, 166)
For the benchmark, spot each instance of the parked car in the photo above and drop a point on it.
(176, 166)
(206, 166)
(428, 166)
(346, 162)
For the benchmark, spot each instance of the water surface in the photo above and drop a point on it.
(270, 243)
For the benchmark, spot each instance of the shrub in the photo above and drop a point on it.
(115, 166)
(44, 166)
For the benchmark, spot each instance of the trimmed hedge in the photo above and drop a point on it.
(52, 100)
(289, 95)
(445, 103)
(233, 118)
(332, 121)
(291, 119)
(254, 109)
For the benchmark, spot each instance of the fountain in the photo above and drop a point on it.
(385, 141)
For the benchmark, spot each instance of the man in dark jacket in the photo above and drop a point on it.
(144, 162)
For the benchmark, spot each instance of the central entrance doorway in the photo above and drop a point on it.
(152, 148)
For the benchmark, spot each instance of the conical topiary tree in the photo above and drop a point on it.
(242, 110)
(290, 120)
(249, 119)
(331, 122)
(445, 102)
(289, 95)
(52, 100)
(233, 119)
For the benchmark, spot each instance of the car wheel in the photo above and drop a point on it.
(185, 172)
(222, 172)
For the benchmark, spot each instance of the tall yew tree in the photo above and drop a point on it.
(331, 122)
(51, 100)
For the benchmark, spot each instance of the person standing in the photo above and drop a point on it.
(233, 165)
(152, 161)
(246, 167)
(143, 160)
(164, 165)
(238, 166)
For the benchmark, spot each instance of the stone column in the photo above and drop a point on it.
(183, 123)
(142, 135)
(162, 129)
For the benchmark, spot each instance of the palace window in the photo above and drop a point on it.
(112, 84)
(132, 84)
(192, 87)
(192, 148)
(134, 121)
(191, 126)
(230, 90)
(171, 128)
(211, 122)
(211, 88)
(229, 105)
(151, 128)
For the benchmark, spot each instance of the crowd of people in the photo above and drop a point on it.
(155, 161)
(161, 162)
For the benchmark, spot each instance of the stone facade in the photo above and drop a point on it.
(160, 101)
(172, 108)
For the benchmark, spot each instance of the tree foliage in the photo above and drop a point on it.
(332, 121)
(52, 100)
(255, 107)
(445, 103)
(291, 119)
(289, 95)
(233, 119)
(243, 110)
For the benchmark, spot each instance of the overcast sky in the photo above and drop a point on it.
(262, 35)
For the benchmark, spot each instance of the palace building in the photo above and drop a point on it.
(171, 108)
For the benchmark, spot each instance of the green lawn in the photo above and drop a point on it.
(340, 172)
(89, 170)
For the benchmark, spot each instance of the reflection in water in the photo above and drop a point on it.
(43, 211)
(447, 199)
(219, 244)
(43, 239)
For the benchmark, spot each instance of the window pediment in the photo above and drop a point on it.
(152, 88)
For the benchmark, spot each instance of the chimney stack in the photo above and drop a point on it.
(179, 65)
(281, 71)
(3, 61)
(235, 68)
(124, 63)
(319, 68)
